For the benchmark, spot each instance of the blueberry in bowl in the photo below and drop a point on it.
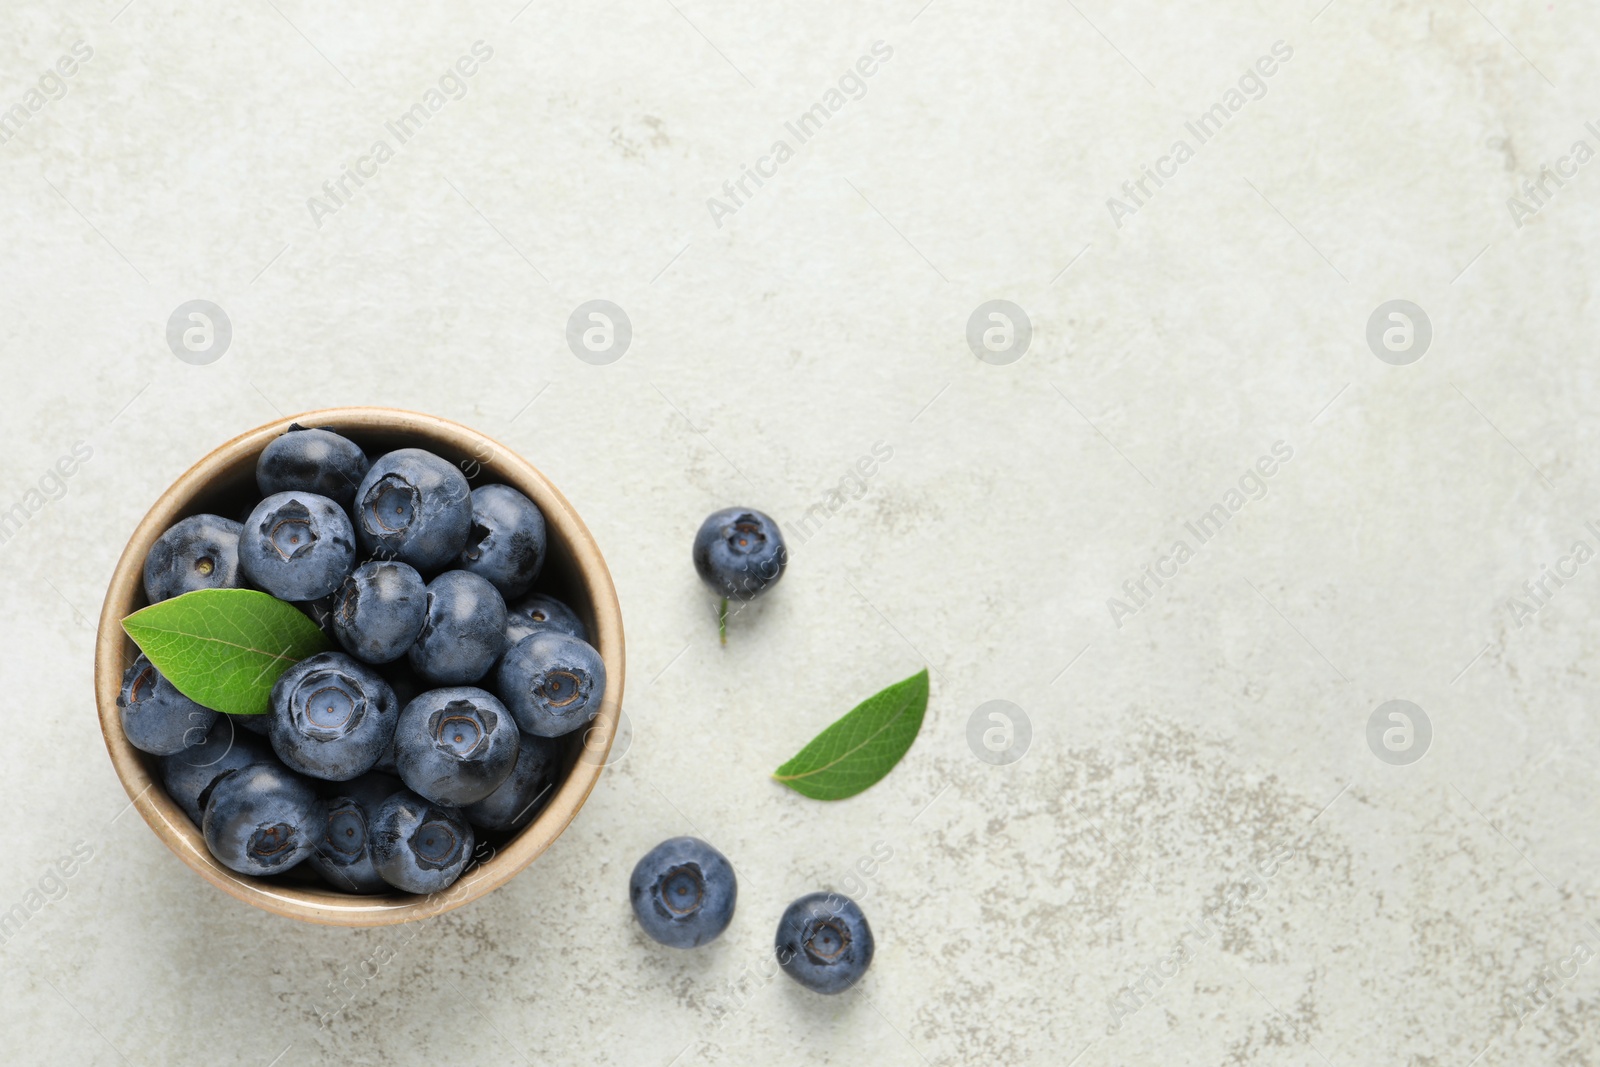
(262, 819)
(415, 507)
(455, 745)
(297, 546)
(332, 717)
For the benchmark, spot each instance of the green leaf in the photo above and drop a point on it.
(223, 648)
(861, 747)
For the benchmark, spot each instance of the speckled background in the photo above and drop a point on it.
(1200, 858)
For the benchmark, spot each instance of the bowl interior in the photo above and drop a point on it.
(223, 483)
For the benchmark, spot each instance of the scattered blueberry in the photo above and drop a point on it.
(200, 552)
(312, 461)
(190, 774)
(683, 892)
(332, 716)
(740, 554)
(553, 683)
(417, 846)
(414, 507)
(824, 942)
(156, 717)
(379, 610)
(526, 790)
(297, 546)
(262, 819)
(540, 612)
(507, 542)
(456, 745)
(463, 632)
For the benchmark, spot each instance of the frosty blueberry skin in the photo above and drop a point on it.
(344, 857)
(418, 846)
(332, 717)
(379, 610)
(200, 552)
(463, 630)
(526, 790)
(739, 553)
(683, 892)
(312, 461)
(156, 718)
(824, 942)
(540, 612)
(262, 819)
(414, 507)
(507, 542)
(297, 546)
(553, 683)
(455, 746)
(189, 775)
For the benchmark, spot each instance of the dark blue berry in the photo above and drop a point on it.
(260, 725)
(190, 774)
(379, 610)
(417, 846)
(456, 745)
(526, 790)
(683, 892)
(297, 546)
(344, 855)
(200, 552)
(414, 507)
(463, 632)
(156, 717)
(312, 461)
(332, 717)
(540, 612)
(824, 942)
(553, 683)
(262, 819)
(739, 553)
(507, 542)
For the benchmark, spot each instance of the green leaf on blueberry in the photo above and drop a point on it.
(223, 648)
(861, 747)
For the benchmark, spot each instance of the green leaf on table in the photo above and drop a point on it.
(861, 747)
(223, 648)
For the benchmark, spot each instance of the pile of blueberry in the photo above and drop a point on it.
(683, 892)
(443, 717)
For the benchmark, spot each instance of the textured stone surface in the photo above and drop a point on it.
(1199, 859)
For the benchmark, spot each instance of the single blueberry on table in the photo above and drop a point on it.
(344, 855)
(312, 461)
(200, 552)
(463, 632)
(414, 507)
(417, 846)
(683, 892)
(190, 774)
(553, 683)
(332, 717)
(540, 612)
(379, 610)
(297, 546)
(740, 554)
(507, 542)
(263, 819)
(156, 717)
(824, 942)
(526, 790)
(455, 745)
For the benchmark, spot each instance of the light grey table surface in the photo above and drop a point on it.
(1200, 858)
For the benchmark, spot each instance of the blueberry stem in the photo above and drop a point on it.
(722, 620)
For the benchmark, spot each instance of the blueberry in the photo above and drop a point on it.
(552, 682)
(379, 610)
(526, 790)
(190, 774)
(332, 717)
(507, 542)
(455, 746)
(312, 461)
(683, 892)
(262, 819)
(417, 846)
(156, 717)
(260, 725)
(297, 546)
(540, 612)
(414, 507)
(344, 855)
(464, 631)
(824, 942)
(740, 554)
(200, 552)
